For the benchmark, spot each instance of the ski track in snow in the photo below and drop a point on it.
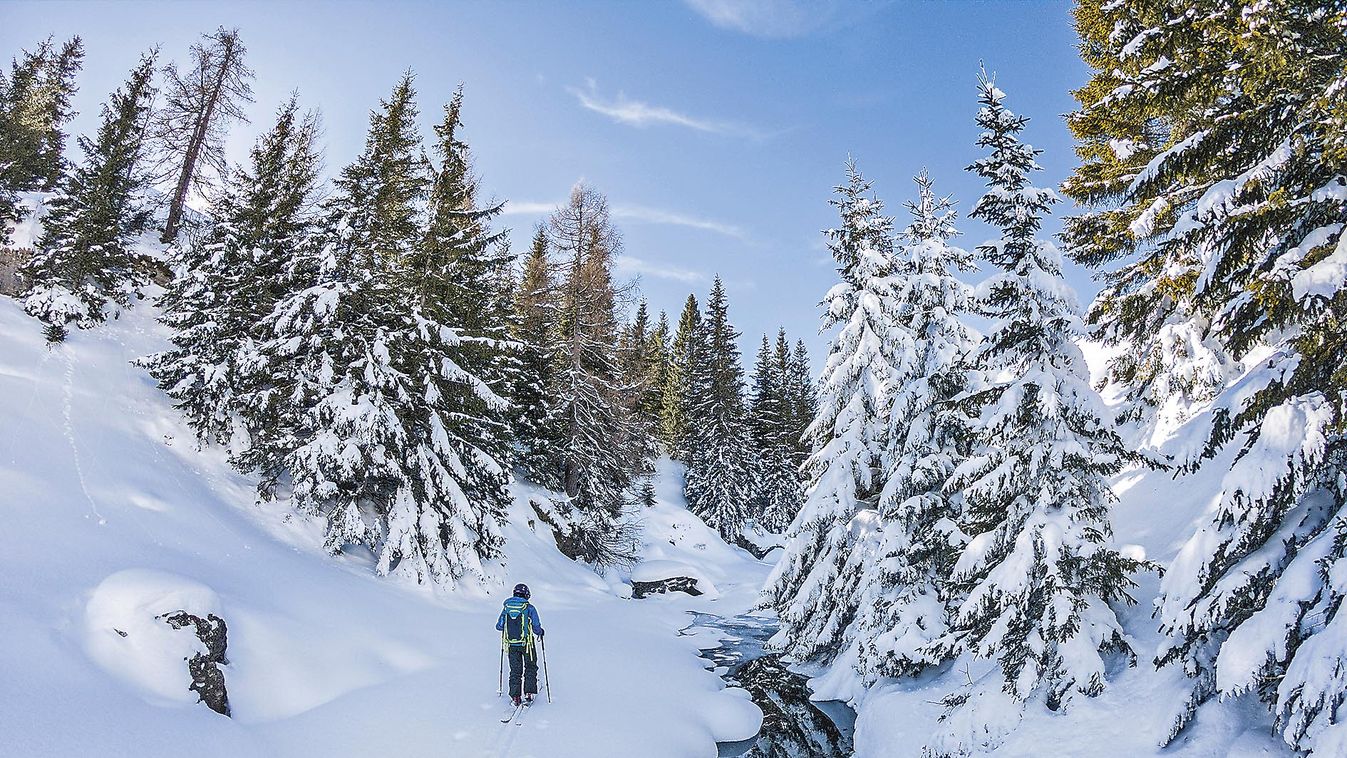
(68, 395)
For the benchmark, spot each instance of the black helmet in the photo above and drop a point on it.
(521, 590)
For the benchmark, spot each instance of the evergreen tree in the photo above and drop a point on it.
(777, 490)
(815, 585)
(1233, 207)
(657, 353)
(1034, 582)
(193, 121)
(84, 258)
(536, 424)
(230, 278)
(458, 274)
(902, 610)
(674, 413)
(601, 448)
(717, 486)
(803, 402)
(1156, 103)
(34, 106)
(368, 412)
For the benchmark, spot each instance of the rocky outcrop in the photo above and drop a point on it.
(207, 678)
(671, 584)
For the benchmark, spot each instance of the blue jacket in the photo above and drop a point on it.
(515, 602)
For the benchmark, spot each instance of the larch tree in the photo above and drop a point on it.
(601, 447)
(199, 105)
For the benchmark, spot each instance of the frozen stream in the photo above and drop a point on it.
(793, 726)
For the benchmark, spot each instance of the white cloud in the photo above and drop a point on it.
(656, 216)
(630, 265)
(781, 19)
(526, 208)
(640, 114)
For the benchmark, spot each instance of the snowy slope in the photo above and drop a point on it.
(1154, 516)
(111, 515)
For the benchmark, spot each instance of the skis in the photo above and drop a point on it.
(515, 712)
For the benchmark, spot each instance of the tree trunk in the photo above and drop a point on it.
(174, 222)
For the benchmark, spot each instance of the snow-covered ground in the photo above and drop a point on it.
(112, 515)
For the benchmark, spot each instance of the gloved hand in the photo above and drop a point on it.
(541, 633)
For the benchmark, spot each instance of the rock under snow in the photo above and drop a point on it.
(661, 576)
(161, 634)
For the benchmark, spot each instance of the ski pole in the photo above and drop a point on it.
(500, 680)
(547, 680)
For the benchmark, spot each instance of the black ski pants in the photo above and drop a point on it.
(523, 670)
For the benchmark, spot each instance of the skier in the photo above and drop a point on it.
(517, 625)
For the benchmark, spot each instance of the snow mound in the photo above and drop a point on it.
(126, 635)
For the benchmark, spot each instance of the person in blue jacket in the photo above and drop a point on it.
(518, 625)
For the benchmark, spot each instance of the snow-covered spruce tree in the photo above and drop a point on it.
(1161, 106)
(231, 276)
(1034, 584)
(803, 402)
(657, 375)
(34, 107)
(367, 405)
(1253, 601)
(718, 485)
(632, 347)
(674, 414)
(815, 586)
(459, 275)
(84, 258)
(600, 450)
(536, 428)
(776, 487)
(902, 609)
(191, 125)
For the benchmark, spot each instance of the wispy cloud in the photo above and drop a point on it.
(527, 208)
(641, 114)
(783, 19)
(647, 215)
(641, 214)
(631, 265)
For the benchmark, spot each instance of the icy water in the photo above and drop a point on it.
(793, 726)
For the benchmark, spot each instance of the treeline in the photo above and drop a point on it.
(958, 503)
(371, 348)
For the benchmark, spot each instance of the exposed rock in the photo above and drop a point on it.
(672, 584)
(792, 725)
(11, 259)
(207, 678)
(753, 550)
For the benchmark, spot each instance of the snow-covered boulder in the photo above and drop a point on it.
(661, 576)
(160, 633)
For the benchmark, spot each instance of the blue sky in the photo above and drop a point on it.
(717, 128)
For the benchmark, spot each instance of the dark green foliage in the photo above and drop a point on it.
(84, 258)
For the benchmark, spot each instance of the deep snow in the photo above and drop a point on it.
(112, 514)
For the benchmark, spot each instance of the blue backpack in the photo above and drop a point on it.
(518, 626)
